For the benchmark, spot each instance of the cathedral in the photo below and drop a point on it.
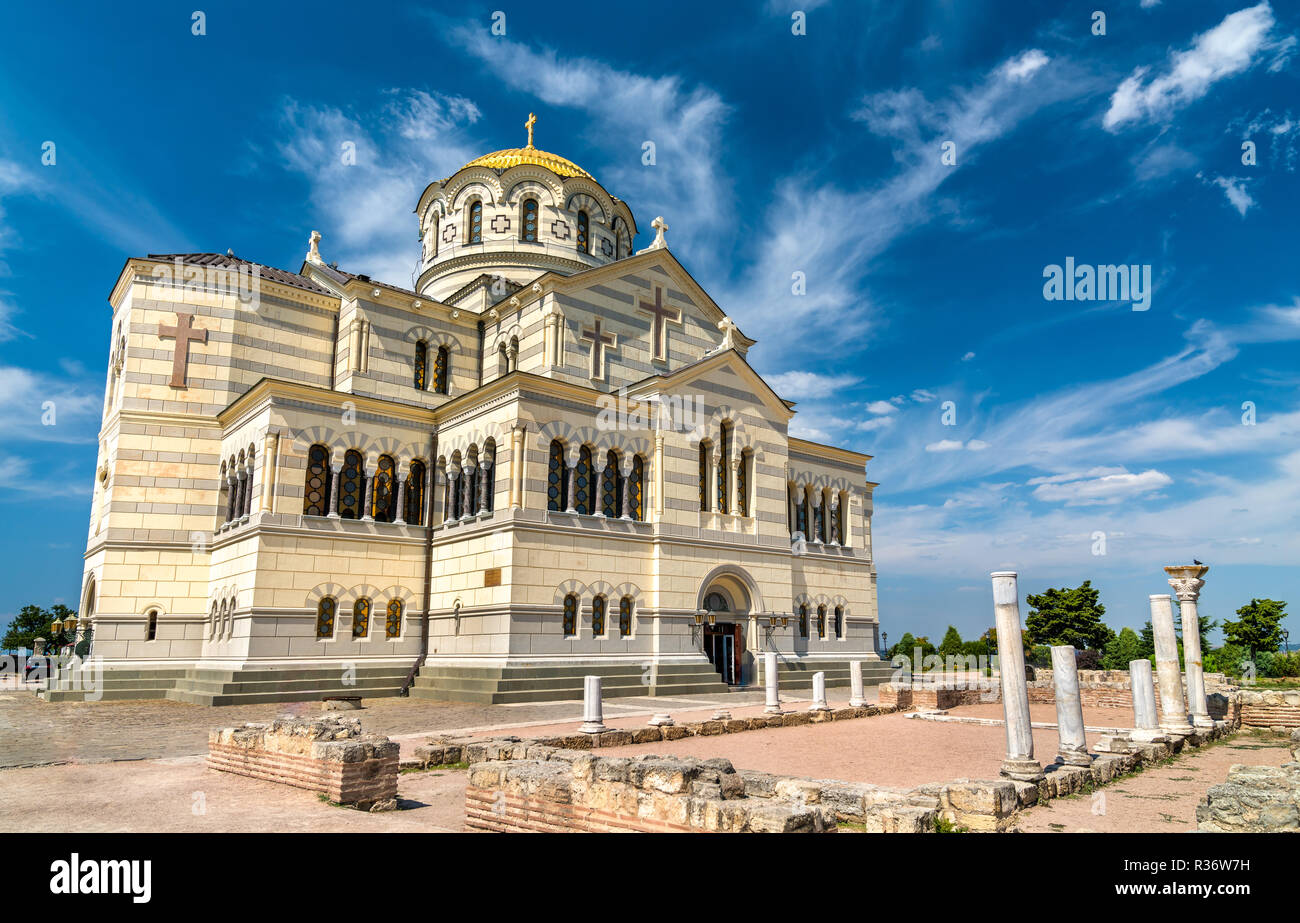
(548, 459)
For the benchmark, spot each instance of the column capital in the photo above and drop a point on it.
(1188, 589)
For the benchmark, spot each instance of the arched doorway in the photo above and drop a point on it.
(726, 607)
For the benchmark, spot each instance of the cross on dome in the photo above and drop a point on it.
(532, 120)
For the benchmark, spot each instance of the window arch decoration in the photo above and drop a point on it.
(316, 491)
(361, 617)
(555, 477)
(417, 473)
(326, 609)
(422, 365)
(383, 491)
(393, 622)
(351, 485)
(598, 607)
(571, 616)
(584, 232)
(625, 617)
(441, 362)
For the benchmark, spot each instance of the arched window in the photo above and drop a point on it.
(414, 512)
(742, 484)
(440, 365)
(325, 611)
(839, 623)
(584, 239)
(351, 485)
(421, 366)
(476, 222)
(636, 487)
(393, 624)
(316, 491)
(840, 535)
(801, 517)
(724, 464)
(455, 488)
(821, 622)
(503, 361)
(571, 616)
(151, 627)
(488, 462)
(248, 484)
(222, 629)
(584, 495)
(361, 618)
(555, 477)
(803, 621)
(611, 484)
(383, 491)
(704, 477)
(528, 220)
(471, 486)
(598, 617)
(819, 519)
(212, 621)
(625, 617)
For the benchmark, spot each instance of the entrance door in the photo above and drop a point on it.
(723, 645)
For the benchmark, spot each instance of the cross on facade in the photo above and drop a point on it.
(182, 333)
(599, 343)
(658, 332)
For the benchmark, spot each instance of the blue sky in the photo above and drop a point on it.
(776, 153)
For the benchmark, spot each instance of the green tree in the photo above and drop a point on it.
(1068, 616)
(1259, 628)
(1123, 648)
(1148, 640)
(33, 622)
(952, 644)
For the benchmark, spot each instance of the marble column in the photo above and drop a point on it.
(1143, 687)
(1186, 581)
(1019, 763)
(467, 492)
(1173, 713)
(399, 515)
(598, 466)
(857, 696)
(485, 469)
(573, 487)
(241, 508)
(819, 693)
(337, 478)
(771, 683)
(1073, 748)
(592, 713)
(366, 496)
(232, 493)
(452, 488)
(626, 512)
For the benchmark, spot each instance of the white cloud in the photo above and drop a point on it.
(798, 385)
(23, 394)
(1098, 487)
(1235, 189)
(922, 396)
(879, 407)
(968, 357)
(944, 445)
(1228, 49)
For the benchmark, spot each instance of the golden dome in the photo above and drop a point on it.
(513, 157)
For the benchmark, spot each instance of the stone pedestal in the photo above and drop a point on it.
(592, 713)
(1173, 713)
(1186, 581)
(661, 720)
(1073, 749)
(819, 693)
(1020, 763)
(771, 684)
(857, 696)
(1142, 686)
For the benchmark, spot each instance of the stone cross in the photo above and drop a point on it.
(182, 333)
(1073, 750)
(729, 331)
(599, 343)
(660, 226)
(1186, 581)
(531, 121)
(593, 721)
(313, 248)
(1173, 713)
(1020, 763)
(658, 330)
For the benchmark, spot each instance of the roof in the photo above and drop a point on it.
(227, 261)
(514, 156)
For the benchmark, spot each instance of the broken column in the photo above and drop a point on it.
(1073, 748)
(1186, 581)
(592, 714)
(770, 683)
(1145, 728)
(1173, 714)
(819, 693)
(857, 696)
(1020, 763)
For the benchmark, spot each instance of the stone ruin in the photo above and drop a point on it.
(328, 754)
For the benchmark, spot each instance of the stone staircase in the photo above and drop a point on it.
(793, 673)
(232, 687)
(544, 683)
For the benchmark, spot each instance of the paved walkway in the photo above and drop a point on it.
(38, 733)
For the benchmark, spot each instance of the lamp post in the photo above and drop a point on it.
(884, 643)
